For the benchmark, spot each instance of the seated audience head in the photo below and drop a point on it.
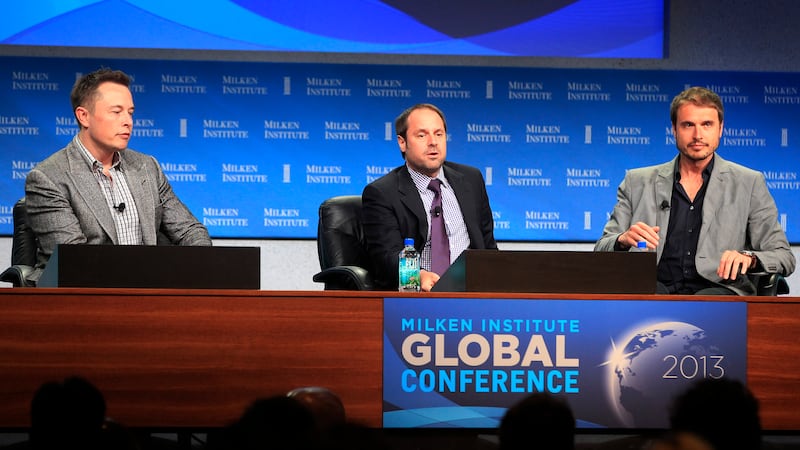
(278, 422)
(353, 436)
(723, 412)
(326, 407)
(540, 420)
(681, 441)
(70, 412)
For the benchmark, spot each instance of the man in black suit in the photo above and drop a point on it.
(400, 204)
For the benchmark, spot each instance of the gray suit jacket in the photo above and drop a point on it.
(738, 214)
(66, 206)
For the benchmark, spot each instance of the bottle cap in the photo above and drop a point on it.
(408, 241)
(641, 245)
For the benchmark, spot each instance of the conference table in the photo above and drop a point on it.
(176, 358)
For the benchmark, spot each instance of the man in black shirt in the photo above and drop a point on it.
(709, 220)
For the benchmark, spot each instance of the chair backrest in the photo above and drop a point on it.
(23, 244)
(340, 236)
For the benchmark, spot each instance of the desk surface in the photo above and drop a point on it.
(177, 358)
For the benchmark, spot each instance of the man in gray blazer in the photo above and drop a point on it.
(709, 220)
(98, 191)
(399, 204)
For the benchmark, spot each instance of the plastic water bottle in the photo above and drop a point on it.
(641, 246)
(409, 268)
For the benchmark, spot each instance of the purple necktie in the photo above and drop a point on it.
(440, 245)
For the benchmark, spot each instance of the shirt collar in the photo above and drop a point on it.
(422, 181)
(92, 161)
(706, 172)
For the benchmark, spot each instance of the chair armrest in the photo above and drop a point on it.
(345, 278)
(769, 284)
(18, 275)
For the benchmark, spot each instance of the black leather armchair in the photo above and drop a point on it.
(341, 246)
(769, 284)
(23, 250)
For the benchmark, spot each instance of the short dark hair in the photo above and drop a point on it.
(698, 96)
(70, 410)
(722, 411)
(539, 418)
(401, 123)
(85, 87)
(273, 422)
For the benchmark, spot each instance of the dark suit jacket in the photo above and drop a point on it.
(393, 211)
(66, 206)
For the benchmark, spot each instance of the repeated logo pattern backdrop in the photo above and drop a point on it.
(253, 148)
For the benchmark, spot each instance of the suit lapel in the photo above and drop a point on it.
(89, 190)
(463, 192)
(409, 196)
(665, 179)
(712, 202)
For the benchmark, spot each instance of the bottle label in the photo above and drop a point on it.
(409, 273)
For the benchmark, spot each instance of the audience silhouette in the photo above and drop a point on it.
(310, 418)
(277, 422)
(326, 407)
(539, 421)
(712, 414)
(71, 414)
(73, 410)
(720, 413)
(681, 441)
(352, 436)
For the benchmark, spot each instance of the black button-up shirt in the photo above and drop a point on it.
(677, 270)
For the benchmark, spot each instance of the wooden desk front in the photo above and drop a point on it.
(171, 358)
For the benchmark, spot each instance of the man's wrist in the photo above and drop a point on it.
(753, 258)
(619, 246)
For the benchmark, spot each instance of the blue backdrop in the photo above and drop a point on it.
(254, 148)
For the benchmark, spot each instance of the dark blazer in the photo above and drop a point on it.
(393, 211)
(66, 206)
(738, 214)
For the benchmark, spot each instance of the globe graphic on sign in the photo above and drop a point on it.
(656, 363)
